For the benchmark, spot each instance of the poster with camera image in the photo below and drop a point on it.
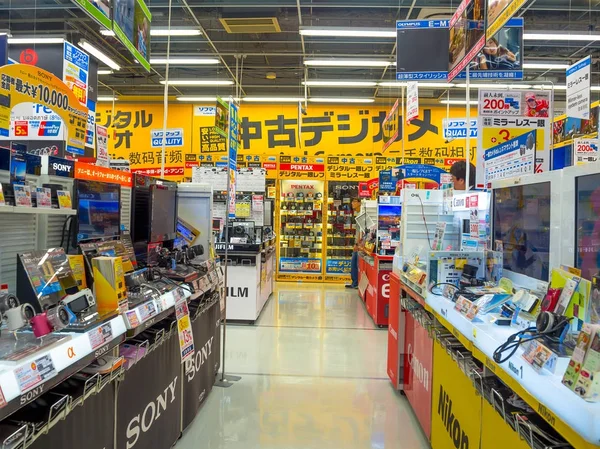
(509, 159)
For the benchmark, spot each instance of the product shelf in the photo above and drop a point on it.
(21, 383)
(572, 417)
(37, 210)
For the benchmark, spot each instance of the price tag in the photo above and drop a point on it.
(132, 319)
(101, 335)
(35, 373)
(147, 310)
(497, 102)
(184, 327)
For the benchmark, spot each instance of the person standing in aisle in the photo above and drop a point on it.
(354, 261)
(459, 175)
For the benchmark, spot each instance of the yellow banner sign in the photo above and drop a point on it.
(22, 83)
(273, 130)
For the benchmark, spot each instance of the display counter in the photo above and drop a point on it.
(250, 278)
(571, 417)
(374, 285)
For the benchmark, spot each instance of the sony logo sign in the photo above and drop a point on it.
(143, 422)
(192, 365)
(31, 395)
(61, 167)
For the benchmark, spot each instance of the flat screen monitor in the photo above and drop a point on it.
(587, 220)
(98, 209)
(521, 227)
(163, 213)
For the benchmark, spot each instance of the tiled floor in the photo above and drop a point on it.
(313, 376)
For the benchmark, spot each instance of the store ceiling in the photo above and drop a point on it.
(257, 55)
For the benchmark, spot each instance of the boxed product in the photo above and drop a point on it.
(588, 382)
(587, 334)
(109, 284)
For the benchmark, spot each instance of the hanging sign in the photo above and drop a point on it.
(412, 101)
(76, 67)
(22, 83)
(585, 151)
(221, 117)
(467, 36)
(499, 12)
(579, 78)
(391, 130)
(102, 157)
(233, 149)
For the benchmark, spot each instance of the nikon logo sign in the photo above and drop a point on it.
(451, 423)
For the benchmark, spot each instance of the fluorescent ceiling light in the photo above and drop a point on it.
(483, 85)
(549, 87)
(197, 99)
(347, 32)
(340, 83)
(104, 72)
(347, 62)
(463, 102)
(185, 61)
(560, 37)
(157, 32)
(520, 86)
(35, 40)
(545, 65)
(595, 88)
(273, 99)
(341, 100)
(99, 55)
(198, 82)
(107, 98)
(175, 32)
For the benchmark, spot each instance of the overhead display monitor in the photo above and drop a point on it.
(500, 58)
(587, 229)
(521, 228)
(99, 10)
(163, 213)
(98, 209)
(131, 24)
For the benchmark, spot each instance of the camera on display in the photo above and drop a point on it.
(19, 316)
(58, 317)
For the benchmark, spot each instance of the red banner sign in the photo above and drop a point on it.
(91, 172)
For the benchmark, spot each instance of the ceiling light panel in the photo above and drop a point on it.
(348, 32)
(184, 61)
(198, 82)
(340, 83)
(346, 62)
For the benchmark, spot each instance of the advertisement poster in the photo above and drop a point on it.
(97, 9)
(222, 117)
(513, 158)
(412, 101)
(299, 265)
(102, 157)
(500, 57)
(172, 138)
(32, 121)
(34, 85)
(233, 151)
(515, 103)
(76, 67)
(90, 134)
(579, 77)
(184, 326)
(585, 151)
(467, 35)
(456, 128)
(390, 127)
(131, 24)
(499, 12)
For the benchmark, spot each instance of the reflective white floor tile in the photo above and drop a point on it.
(313, 377)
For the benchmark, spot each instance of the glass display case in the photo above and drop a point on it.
(343, 206)
(301, 230)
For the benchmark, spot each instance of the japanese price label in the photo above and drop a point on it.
(35, 373)
(101, 335)
(184, 326)
(586, 150)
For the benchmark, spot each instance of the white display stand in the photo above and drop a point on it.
(250, 285)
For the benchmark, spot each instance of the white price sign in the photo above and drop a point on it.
(579, 77)
(412, 101)
(496, 102)
(585, 151)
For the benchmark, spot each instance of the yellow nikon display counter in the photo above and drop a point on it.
(467, 408)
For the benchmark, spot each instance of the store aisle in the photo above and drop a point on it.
(313, 376)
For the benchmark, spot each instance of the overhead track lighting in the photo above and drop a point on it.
(545, 65)
(273, 99)
(347, 32)
(459, 102)
(104, 99)
(340, 100)
(197, 99)
(158, 32)
(184, 61)
(198, 82)
(340, 83)
(560, 37)
(347, 62)
(35, 40)
(98, 54)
